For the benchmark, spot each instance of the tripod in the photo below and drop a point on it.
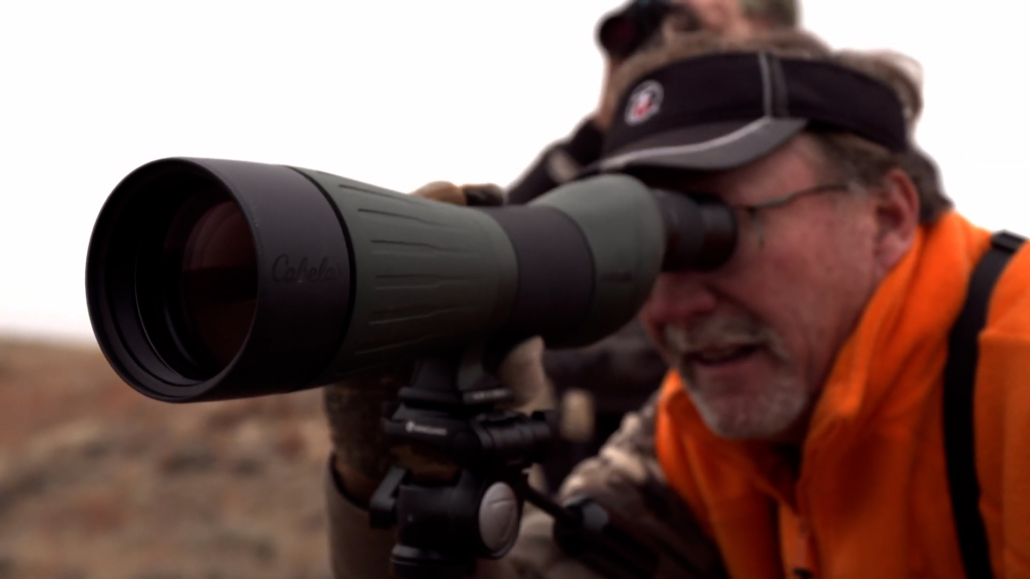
(443, 528)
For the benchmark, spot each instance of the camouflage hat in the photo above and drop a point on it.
(779, 13)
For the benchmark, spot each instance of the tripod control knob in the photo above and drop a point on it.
(499, 515)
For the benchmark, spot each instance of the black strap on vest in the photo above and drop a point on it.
(959, 381)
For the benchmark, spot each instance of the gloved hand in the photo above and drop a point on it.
(362, 453)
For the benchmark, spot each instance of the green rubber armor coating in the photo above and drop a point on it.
(627, 253)
(428, 273)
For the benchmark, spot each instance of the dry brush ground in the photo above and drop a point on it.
(99, 482)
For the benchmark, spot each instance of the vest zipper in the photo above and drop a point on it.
(803, 567)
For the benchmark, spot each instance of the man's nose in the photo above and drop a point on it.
(678, 296)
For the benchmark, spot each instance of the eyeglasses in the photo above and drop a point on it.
(753, 211)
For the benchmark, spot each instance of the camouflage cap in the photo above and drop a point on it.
(778, 13)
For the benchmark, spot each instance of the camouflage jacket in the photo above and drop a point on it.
(625, 478)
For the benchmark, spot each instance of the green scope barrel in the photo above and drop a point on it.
(212, 279)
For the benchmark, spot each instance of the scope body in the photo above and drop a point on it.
(212, 279)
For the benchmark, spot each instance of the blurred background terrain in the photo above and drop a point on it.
(97, 481)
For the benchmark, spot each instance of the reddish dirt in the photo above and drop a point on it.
(97, 481)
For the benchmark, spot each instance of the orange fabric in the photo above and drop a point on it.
(871, 498)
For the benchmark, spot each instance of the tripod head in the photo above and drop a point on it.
(452, 408)
(444, 527)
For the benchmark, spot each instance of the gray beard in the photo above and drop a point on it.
(760, 415)
(753, 414)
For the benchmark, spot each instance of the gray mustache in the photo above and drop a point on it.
(720, 331)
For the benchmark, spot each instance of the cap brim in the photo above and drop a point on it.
(708, 147)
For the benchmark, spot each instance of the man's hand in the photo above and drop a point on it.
(606, 105)
(479, 195)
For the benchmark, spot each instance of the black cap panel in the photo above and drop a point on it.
(709, 90)
(845, 99)
(722, 111)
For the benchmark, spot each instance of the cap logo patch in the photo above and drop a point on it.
(644, 102)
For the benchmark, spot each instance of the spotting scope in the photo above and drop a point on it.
(214, 279)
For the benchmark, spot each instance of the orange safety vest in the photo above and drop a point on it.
(872, 497)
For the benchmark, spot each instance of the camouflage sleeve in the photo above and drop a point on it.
(625, 478)
(558, 164)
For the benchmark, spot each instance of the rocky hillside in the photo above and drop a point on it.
(99, 482)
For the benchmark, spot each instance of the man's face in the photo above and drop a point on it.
(755, 339)
(724, 17)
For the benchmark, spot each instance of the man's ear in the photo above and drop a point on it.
(897, 218)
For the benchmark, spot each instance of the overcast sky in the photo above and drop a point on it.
(397, 94)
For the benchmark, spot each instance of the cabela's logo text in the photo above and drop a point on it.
(304, 271)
